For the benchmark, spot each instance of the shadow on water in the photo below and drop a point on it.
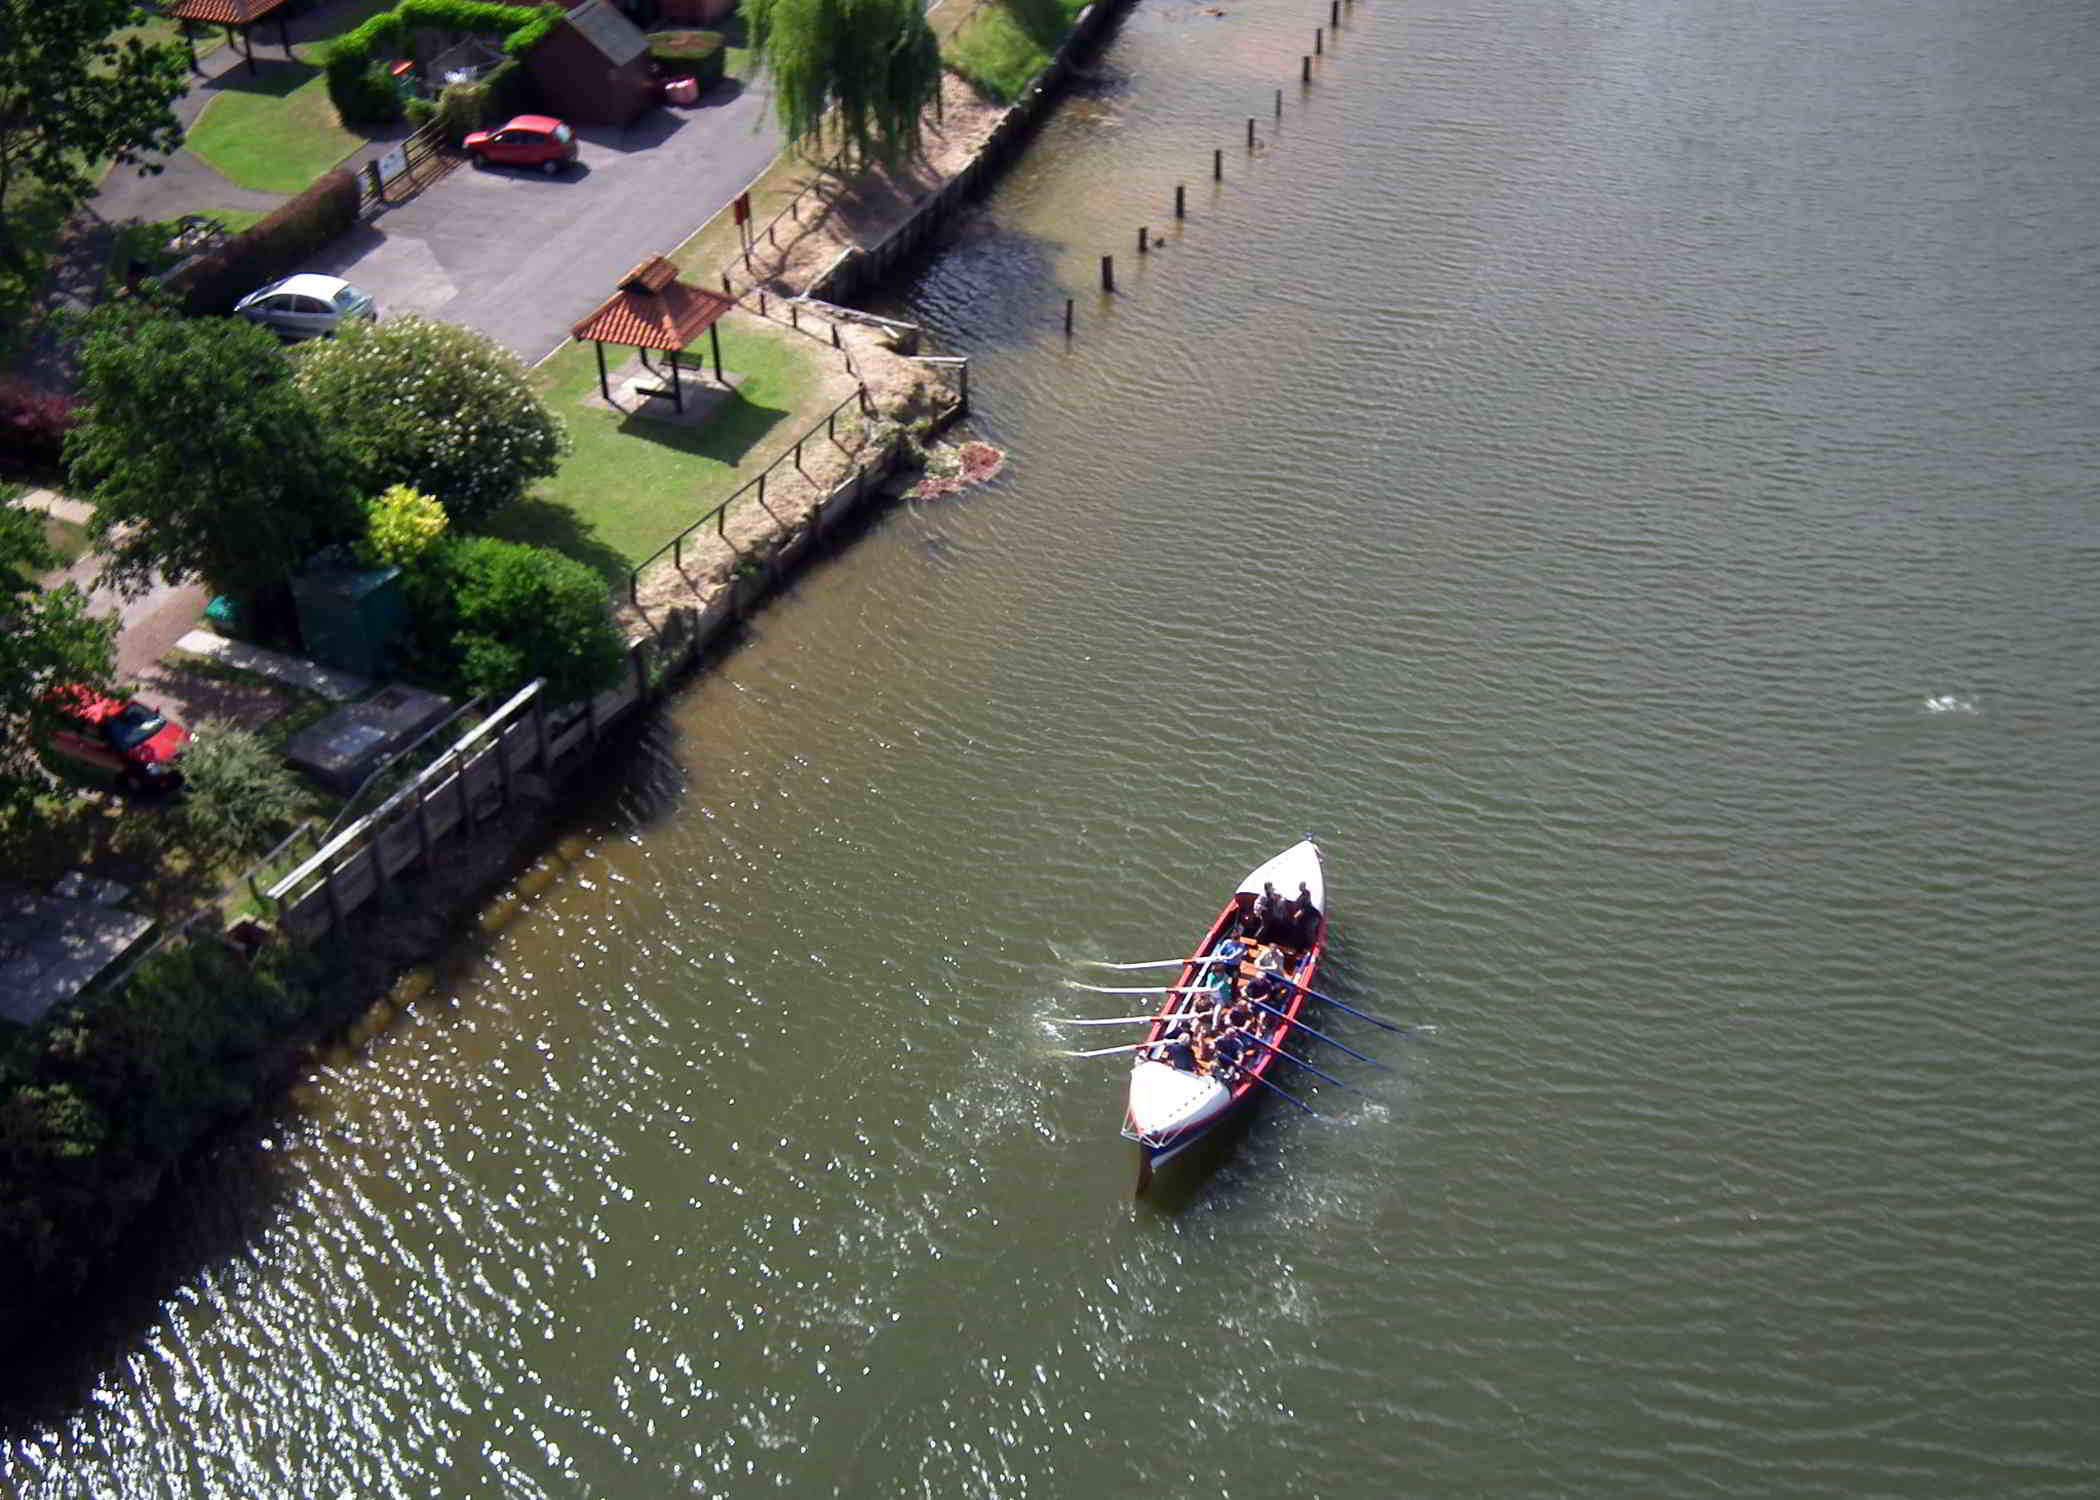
(209, 1213)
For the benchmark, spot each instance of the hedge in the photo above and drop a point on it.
(277, 246)
(504, 91)
(359, 84)
(698, 55)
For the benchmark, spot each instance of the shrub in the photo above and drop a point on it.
(420, 112)
(400, 527)
(238, 798)
(33, 428)
(276, 246)
(437, 407)
(492, 615)
(462, 109)
(699, 55)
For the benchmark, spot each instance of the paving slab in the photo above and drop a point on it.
(338, 687)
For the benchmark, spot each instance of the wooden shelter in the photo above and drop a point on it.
(238, 17)
(653, 309)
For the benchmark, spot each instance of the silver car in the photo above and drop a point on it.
(306, 306)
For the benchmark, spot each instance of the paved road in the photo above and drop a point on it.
(522, 256)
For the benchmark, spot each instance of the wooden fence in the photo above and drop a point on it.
(403, 171)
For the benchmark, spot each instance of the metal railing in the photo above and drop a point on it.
(718, 514)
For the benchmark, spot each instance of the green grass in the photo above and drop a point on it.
(274, 133)
(629, 485)
(999, 48)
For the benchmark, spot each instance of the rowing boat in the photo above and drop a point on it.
(1171, 1108)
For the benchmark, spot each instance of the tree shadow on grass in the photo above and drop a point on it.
(272, 76)
(545, 523)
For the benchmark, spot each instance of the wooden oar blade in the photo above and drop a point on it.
(1105, 989)
(1097, 1020)
(1108, 1051)
(1150, 963)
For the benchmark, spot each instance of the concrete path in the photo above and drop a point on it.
(152, 621)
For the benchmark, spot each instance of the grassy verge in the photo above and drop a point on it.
(999, 48)
(629, 485)
(274, 132)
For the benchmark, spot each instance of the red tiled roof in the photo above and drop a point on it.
(224, 12)
(653, 309)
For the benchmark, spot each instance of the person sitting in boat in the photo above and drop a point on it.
(1267, 989)
(1262, 914)
(1233, 1052)
(1177, 1051)
(1229, 953)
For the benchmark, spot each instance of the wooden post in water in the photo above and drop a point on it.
(1279, 104)
(1068, 317)
(1181, 200)
(1250, 132)
(1334, 14)
(1108, 273)
(1305, 70)
(1142, 246)
(1217, 165)
(1319, 40)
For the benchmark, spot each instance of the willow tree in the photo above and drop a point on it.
(855, 72)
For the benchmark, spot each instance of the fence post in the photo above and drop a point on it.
(337, 916)
(466, 799)
(539, 729)
(503, 768)
(423, 834)
(641, 672)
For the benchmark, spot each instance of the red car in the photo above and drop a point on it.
(130, 743)
(527, 141)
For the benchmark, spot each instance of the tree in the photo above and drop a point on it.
(439, 408)
(497, 614)
(237, 795)
(46, 639)
(857, 71)
(202, 458)
(71, 98)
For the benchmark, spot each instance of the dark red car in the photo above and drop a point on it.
(527, 141)
(131, 744)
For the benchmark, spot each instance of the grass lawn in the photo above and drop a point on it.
(274, 132)
(999, 48)
(629, 485)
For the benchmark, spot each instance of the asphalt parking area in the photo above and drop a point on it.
(523, 256)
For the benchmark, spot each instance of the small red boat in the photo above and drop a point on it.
(1199, 1067)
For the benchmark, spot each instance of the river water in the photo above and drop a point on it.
(1618, 472)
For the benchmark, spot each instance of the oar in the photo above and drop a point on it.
(1106, 1051)
(1098, 1021)
(1317, 1036)
(1350, 1009)
(1103, 989)
(1150, 963)
(1272, 1088)
(1287, 1057)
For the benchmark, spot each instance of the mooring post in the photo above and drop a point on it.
(1279, 104)
(1305, 70)
(1142, 246)
(1217, 165)
(1319, 40)
(1068, 317)
(1250, 132)
(1334, 13)
(1108, 273)
(1181, 200)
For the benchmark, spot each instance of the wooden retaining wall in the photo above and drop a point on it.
(862, 267)
(527, 747)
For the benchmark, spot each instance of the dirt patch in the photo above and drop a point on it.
(837, 213)
(191, 689)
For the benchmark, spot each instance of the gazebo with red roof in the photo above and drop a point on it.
(653, 309)
(234, 15)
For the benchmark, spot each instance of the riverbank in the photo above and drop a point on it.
(351, 989)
